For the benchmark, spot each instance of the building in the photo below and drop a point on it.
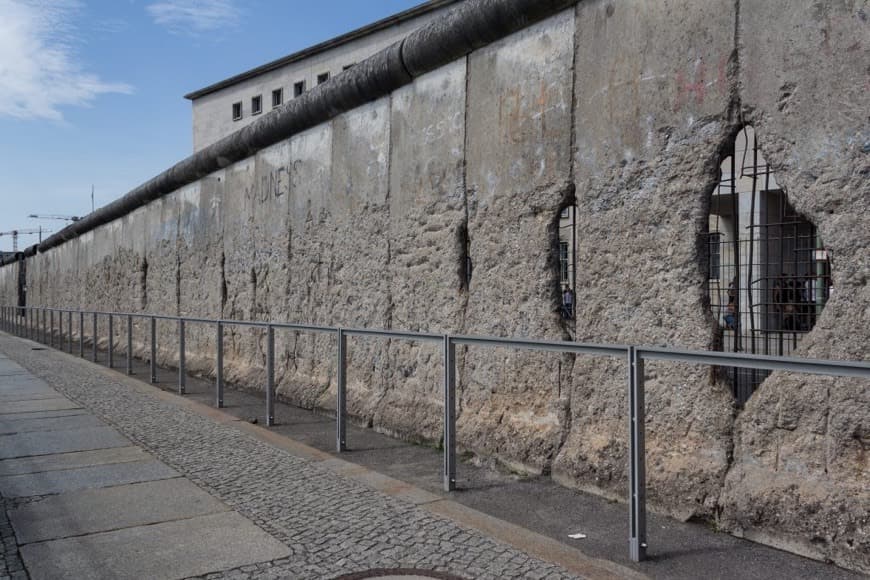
(228, 105)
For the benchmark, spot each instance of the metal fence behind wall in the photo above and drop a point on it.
(33, 322)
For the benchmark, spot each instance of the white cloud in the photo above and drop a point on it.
(193, 16)
(39, 71)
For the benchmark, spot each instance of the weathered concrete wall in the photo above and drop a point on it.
(624, 108)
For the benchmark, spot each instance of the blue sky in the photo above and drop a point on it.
(91, 93)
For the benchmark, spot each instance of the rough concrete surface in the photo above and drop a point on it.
(622, 108)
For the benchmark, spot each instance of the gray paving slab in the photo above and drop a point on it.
(54, 404)
(58, 461)
(162, 551)
(51, 482)
(25, 394)
(42, 414)
(25, 424)
(112, 508)
(46, 442)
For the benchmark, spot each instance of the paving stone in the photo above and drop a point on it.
(54, 404)
(47, 442)
(57, 461)
(98, 510)
(27, 424)
(182, 548)
(53, 482)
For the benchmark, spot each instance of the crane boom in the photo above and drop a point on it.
(69, 218)
(16, 233)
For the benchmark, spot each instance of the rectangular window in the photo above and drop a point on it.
(322, 78)
(277, 97)
(715, 242)
(257, 105)
(237, 111)
(298, 88)
(563, 260)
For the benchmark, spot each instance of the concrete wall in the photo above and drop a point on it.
(624, 107)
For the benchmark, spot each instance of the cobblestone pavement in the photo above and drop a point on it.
(332, 524)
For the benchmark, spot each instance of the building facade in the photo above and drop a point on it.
(228, 105)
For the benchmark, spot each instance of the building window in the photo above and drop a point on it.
(277, 97)
(298, 88)
(715, 241)
(563, 262)
(257, 105)
(237, 111)
(322, 78)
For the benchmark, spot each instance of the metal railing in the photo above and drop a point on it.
(39, 324)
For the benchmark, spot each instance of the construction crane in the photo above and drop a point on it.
(69, 218)
(16, 233)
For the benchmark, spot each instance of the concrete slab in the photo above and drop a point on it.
(39, 405)
(61, 481)
(58, 461)
(25, 394)
(24, 424)
(101, 510)
(42, 414)
(46, 442)
(169, 550)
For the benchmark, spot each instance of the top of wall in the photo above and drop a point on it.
(466, 27)
(330, 44)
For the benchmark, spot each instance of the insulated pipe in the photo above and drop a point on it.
(471, 25)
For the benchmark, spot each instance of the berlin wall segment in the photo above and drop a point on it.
(355, 222)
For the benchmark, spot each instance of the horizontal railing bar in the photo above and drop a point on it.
(307, 327)
(545, 345)
(423, 336)
(860, 369)
(756, 361)
(243, 323)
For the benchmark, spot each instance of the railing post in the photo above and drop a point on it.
(129, 345)
(182, 379)
(51, 328)
(44, 325)
(111, 341)
(341, 394)
(449, 414)
(153, 350)
(270, 375)
(69, 331)
(82, 333)
(219, 371)
(95, 337)
(637, 457)
(60, 330)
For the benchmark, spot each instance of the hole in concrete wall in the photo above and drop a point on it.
(22, 281)
(223, 282)
(143, 284)
(253, 290)
(463, 246)
(564, 256)
(768, 272)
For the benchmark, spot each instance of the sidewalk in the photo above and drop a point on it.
(104, 477)
(333, 517)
